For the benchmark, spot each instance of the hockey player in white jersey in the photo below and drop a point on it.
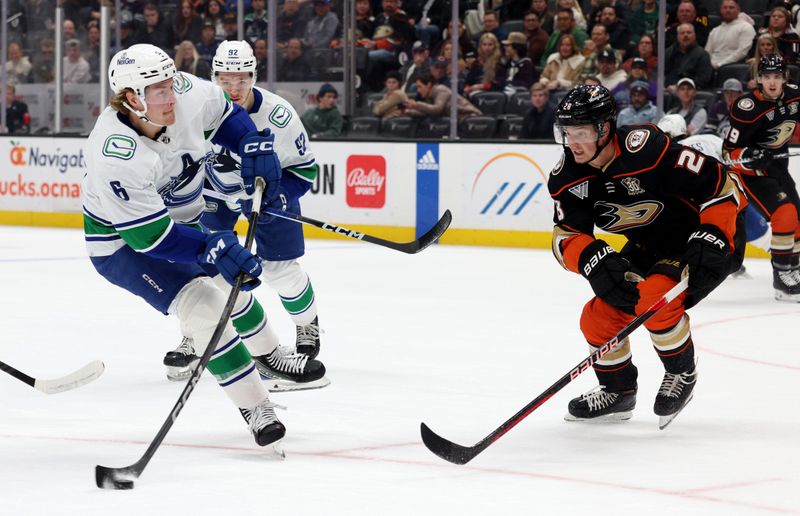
(146, 161)
(279, 241)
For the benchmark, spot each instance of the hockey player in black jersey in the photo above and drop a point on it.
(676, 207)
(762, 124)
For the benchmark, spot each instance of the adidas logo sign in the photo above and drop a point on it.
(427, 162)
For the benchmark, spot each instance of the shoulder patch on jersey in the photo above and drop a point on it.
(119, 146)
(559, 166)
(181, 84)
(280, 116)
(636, 139)
(746, 104)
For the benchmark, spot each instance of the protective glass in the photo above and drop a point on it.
(575, 134)
(235, 82)
(159, 94)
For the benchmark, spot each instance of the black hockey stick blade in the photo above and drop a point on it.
(448, 450)
(116, 478)
(412, 247)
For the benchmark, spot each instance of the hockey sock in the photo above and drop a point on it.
(675, 347)
(294, 288)
(615, 371)
(250, 321)
(783, 242)
(235, 371)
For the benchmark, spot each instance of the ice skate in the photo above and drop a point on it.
(182, 361)
(602, 406)
(264, 424)
(675, 393)
(308, 339)
(291, 367)
(741, 273)
(786, 284)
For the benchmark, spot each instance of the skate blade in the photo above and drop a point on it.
(179, 374)
(664, 421)
(280, 385)
(616, 417)
(277, 450)
(741, 275)
(789, 298)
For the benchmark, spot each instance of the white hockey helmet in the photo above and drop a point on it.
(139, 66)
(673, 125)
(234, 56)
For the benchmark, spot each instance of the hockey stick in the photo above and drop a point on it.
(458, 454)
(82, 376)
(776, 156)
(412, 247)
(122, 478)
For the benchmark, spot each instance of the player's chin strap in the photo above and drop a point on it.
(612, 130)
(141, 114)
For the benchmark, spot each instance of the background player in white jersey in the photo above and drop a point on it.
(146, 161)
(279, 242)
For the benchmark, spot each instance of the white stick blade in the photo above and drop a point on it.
(82, 376)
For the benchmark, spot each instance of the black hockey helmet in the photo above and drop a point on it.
(585, 105)
(771, 63)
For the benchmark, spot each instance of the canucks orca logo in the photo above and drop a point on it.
(223, 175)
(181, 190)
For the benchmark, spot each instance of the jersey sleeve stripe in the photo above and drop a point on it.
(306, 173)
(95, 217)
(142, 220)
(93, 227)
(147, 237)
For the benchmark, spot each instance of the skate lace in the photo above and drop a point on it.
(288, 363)
(790, 278)
(672, 384)
(308, 334)
(186, 347)
(598, 398)
(262, 415)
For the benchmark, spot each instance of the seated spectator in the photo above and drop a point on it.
(214, 12)
(384, 57)
(43, 70)
(294, 67)
(780, 29)
(325, 119)
(546, 18)
(595, 46)
(719, 115)
(419, 64)
(75, 68)
(537, 37)
(447, 55)
(92, 51)
(434, 100)
(230, 26)
(565, 24)
(619, 36)
(69, 32)
(687, 13)
(764, 46)
(645, 49)
(365, 20)
(518, 70)
(638, 73)
(491, 25)
(695, 116)
(321, 29)
(393, 16)
(465, 44)
(538, 123)
(18, 120)
(207, 46)
(610, 76)
(260, 53)
(640, 110)
(731, 40)
(291, 23)
(687, 58)
(425, 20)
(255, 21)
(187, 24)
(580, 18)
(18, 66)
(593, 17)
(438, 70)
(481, 77)
(188, 60)
(394, 100)
(644, 21)
(563, 67)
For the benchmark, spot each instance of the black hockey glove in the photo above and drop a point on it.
(606, 271)
(706, 255)
(755, 157)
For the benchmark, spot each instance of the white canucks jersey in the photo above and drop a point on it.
(137, 187)
(291, 145)
(708, 144)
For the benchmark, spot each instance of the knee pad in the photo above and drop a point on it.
(199, 307)
(242, 300)
(286, 277)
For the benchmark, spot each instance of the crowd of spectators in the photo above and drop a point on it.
(523, 50)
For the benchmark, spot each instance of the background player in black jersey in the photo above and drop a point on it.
(762, 124)
(676, 207)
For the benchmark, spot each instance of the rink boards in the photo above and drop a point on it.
(497, 192)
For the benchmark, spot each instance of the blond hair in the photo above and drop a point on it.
(489, 62)
(118, 100)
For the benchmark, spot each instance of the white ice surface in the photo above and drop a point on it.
(460, 338)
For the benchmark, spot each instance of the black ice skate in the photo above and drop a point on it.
(786, 284)
(182, 361)
(600, 405)
(295, 367)
(264, 424)
(308, 339)
(675, 393)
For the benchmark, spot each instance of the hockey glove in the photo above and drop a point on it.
(706, 255)
(755, 157)
(278, 203)
(259, 160)
(610, 274)
(224, 251)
